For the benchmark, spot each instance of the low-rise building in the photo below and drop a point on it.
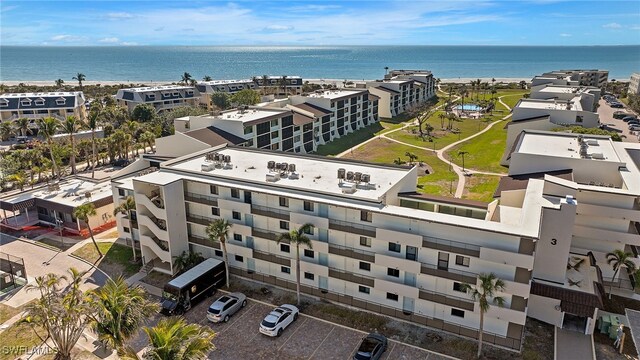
(280, 85)
(34, 106)
(402, 90)
(588, 95)
(207, 88)
(634, 84)
(591, 77)
(160, 97)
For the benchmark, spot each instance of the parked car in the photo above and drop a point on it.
(620, 115)
(225, 306)
(121, 163)
(634, 128)
(629, 118)
(278, 319)
(371, 347)
(617, 105)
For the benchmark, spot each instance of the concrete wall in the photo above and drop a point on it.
(178, 144)
(515, 128)
(545, 309)
(552, 250)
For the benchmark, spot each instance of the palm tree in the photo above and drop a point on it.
(59, 83)
(6, 130)
(22, 126)
(297, 237)
(174, 339)
(462, 154)
(283, 83)
(93, 122)
(617, 259)
(119, 312)
(386, 70)
(48, 127)
(147, 137)
(18, 179)
(186, 261)
(83, 212)
(218, 230)
(71, 126)
(207, 78)
(442, 116)
(186, 77)
(127, 207)
(489, 285)
(80, 77)
(411, 156)
(265, 81)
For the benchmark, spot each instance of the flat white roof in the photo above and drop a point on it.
(335, 94)
(42, 94)
(314, 174)
(560, 89)
(249, 115)
(71, 192)
(225, 82)
(566, 145)
(158, 88)
(549, 104)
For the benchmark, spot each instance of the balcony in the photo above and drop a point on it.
(202, 220)
(451, 274)
(160, 223)
(271, 258)
(352, 253)
(451, 246)
(159, 247)
(350, 277)
(203, 241)
(164, 245)
(446, 299)
(201, 199)
(364, 230)
(266, 234)
(270, 212)
(156, 199)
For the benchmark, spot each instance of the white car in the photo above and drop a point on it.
(226, 306)
(278, 319)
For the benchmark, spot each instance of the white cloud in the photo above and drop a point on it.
(68, 38)
(109, 40)
(8, 8)
(635, 27)
(278, 28)
(313, 7)
(612, 25)
(128, 43)
(565, 35)
(119, 15)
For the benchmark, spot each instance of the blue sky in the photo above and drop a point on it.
(161, 22)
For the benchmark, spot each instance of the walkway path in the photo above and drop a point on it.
(573, 345)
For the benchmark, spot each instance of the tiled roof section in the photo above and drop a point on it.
(299, 119)
(214, 136)
(388, 90)
(39, 102)
(571, 301)
(519, 182)
(316, 110)
(444, 200)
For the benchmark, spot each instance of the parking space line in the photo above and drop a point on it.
(391, 351)
(323, 340)
(230, 324)
(353, 351)
(293, 333)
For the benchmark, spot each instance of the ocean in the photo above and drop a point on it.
(167, 63)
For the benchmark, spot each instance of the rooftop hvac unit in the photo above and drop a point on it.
(348, 188)
(583, 149)
(358, 176)
(227, 158)
(277, 168)
(284, 166)
(273, 177)
(350, 175)
(591, 142)
(292, 167)
(598, 156)
(271, 165)
(366, 178)
(207, 167)
(341, 173)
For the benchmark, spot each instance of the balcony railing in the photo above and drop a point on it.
(446, 299)
(202, 220)
(161, 243)
(203, 241)
(160, 223)
(451, 274)
(266, 234)
(451, 246)
(271, 258)
(156, 199)
(349, 227)
(201, 199)
(352, 253)
(354, 278)
(270, 212)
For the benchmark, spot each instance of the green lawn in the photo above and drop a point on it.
(480, 187)
(512, 100)
(339, 145)
(7, 312)
(484, 151)
(116, 261)
(17, 340)
(438, 182)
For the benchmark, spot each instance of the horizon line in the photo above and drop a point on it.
(301, 45)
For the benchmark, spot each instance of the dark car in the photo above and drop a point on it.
(620, 115)
(629, 118)
(616, 105)
(121, 163)
(371, 347)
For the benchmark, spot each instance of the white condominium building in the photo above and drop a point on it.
(634, 84)
(588, 96)
(402, 90)
(33, 106)
(160, 97)
(206, 88)
(593, 77)
(274, 84)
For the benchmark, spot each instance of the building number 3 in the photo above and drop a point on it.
(554, 241)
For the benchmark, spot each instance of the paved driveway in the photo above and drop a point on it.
(572, 345)
(306, 338)
(606, 117)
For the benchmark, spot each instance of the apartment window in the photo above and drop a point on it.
(309, 253)
(236, 215)
(412, 253)
(284, 225)
(218, 252)
(308, 230)
(459, 287)
(579, 119)
(365, 266)
(274, 122)
(126, 229)
(308, 206)
(237, 237)
(121, 192)
(285, 248)
(462, 260)
(235, 193)
(393, 272)
(309, 276)
(239, 258)
(215, 211)
(365, 241)
(285, 269)
(391, 296)
(364, 289)
(248, 130)
(443, 261)
(214, 189)
(284, 202)
(457, 312)
(395, 247)
(274, 134)
(365, 216)
(275, 146)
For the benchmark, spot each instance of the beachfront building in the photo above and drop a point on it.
(298, 123)
(207, 88)
(279, 85)
(34, 106)
(162, 98)
(588, 96)
(593, 77)
(634, 84)
(53, 205)
(402, 90)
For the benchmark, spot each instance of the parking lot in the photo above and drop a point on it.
(306, 338)
(606, 117)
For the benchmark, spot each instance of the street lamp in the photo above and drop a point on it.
(59, 225)
(462, 153)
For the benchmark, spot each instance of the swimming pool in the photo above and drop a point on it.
(468, 107)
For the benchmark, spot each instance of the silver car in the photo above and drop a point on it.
(225, 306)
